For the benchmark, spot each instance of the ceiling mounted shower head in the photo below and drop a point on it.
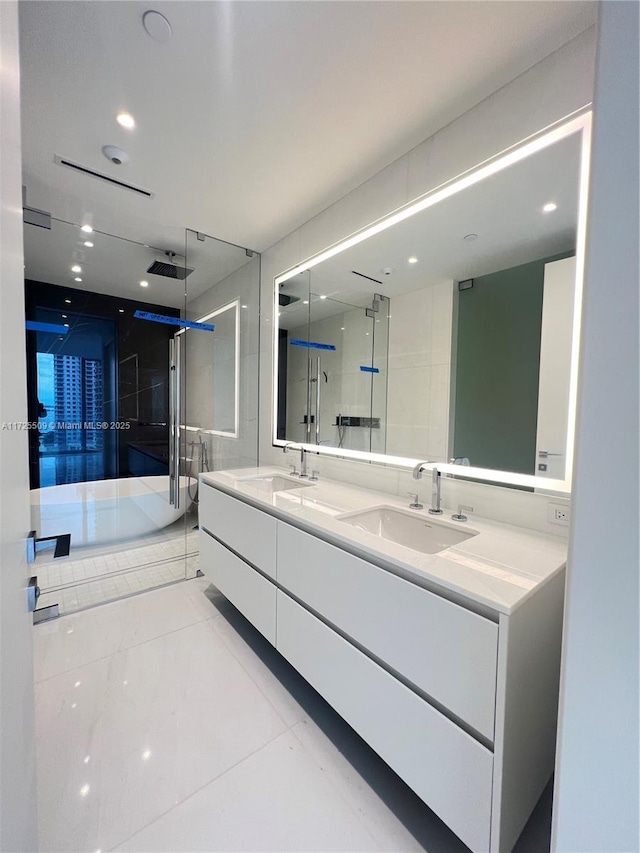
(168, 267)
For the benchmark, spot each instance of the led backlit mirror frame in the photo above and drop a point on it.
(230, 306)
(579, 123)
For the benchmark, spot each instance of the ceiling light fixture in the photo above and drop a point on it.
(88, 244)
(323, 297)
(120, 310)
(144, 284)
(126, 120)
(77, 278)
(412, 259)
(68, 301)
(87, 229)
(76, 268)
(549, 207)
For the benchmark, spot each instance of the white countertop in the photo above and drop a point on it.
(498, 568)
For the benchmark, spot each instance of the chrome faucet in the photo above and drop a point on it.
(303, 458)
(420, 467)
(434, 509)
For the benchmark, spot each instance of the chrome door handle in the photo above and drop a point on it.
(33, 594)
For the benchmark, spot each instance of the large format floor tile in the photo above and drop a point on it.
(125, 738)
(78, 639)
(165, 722)
(279, 799)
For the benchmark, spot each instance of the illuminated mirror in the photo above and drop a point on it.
(448, 332)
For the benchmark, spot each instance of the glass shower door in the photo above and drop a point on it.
(103, 312)
(220, 354)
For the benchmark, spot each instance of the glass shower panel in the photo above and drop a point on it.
(100, 324)
(221, 359)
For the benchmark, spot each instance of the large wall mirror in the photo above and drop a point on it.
(448, 332)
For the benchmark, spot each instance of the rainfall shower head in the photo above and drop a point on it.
(168, 267)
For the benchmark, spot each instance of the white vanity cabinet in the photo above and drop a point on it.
(459, 700)
(238, 553)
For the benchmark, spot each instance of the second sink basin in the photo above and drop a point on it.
(274, 483)
(413, 530)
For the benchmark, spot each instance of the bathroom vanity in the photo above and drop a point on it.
(437, 641)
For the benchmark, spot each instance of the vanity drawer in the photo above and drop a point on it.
(446, 767)
(446, 651)
(246, 530)
(252, 594)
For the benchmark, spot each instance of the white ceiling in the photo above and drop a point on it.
(255, 115)
(116, 266)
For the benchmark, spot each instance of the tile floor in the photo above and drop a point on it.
(165, 722)
(91, 576)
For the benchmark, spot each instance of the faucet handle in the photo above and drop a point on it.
(315, 474)
(292, 466)
(415, 504)
(458, 516)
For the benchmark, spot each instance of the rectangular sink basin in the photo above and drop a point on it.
(274, 483)
(416, 531)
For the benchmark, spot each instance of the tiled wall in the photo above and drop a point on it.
(420, 335)
(559, 85)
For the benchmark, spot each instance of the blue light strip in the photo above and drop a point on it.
(310, 344)
(173, 321)
(365, 369)
(52, 328)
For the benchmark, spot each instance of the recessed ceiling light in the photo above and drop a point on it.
(77, 278)
(67, 325)
(550, 207)
(412, 260)
(121, 310)
(87, 229)
(76, 268)
(144, 284)
(126, 120)
(470, 237)
(68, 301)
(85, 790)
(305, 301)
(244, 306)
(64, 316)
(342, 328)
(323, 297)
(88, 244)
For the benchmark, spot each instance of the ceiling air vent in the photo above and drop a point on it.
(85, 170)
(368, 277)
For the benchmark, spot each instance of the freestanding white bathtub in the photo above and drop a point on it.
(104, 511)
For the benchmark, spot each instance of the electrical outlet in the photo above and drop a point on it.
(558, 514)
